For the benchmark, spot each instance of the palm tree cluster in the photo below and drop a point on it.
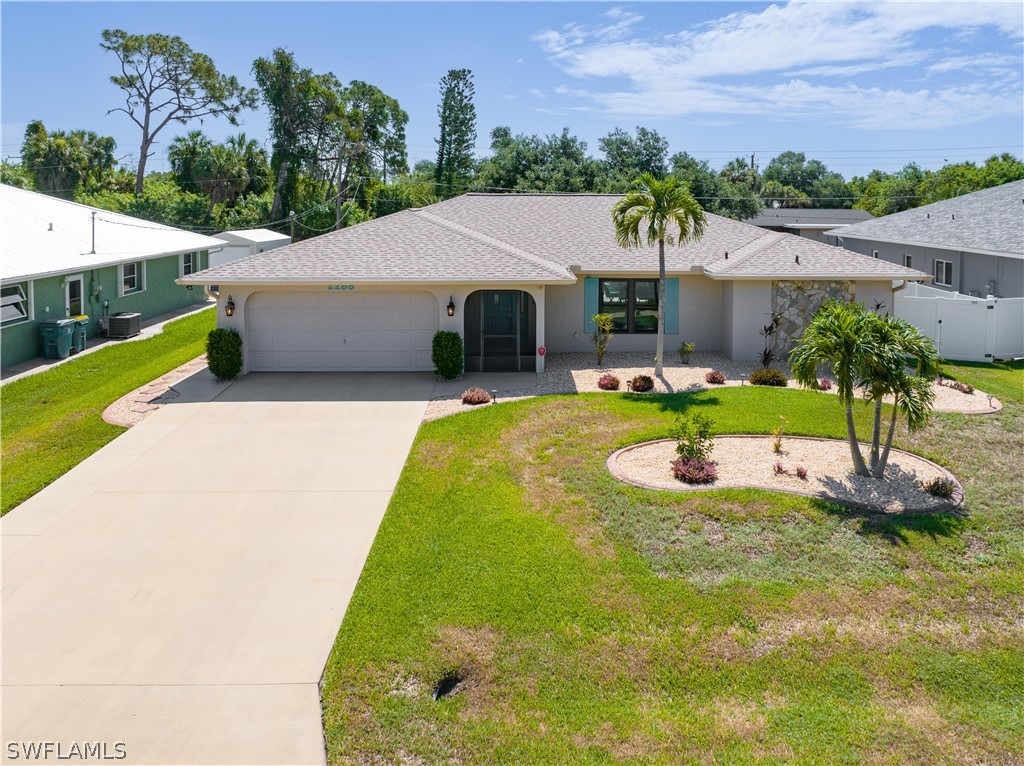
(873, 353)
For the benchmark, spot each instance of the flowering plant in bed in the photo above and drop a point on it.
(608, 382)
(642, 383)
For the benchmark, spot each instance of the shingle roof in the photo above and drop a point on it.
(411, 245)
(777, 255)
(45, 235)
(532, 238)
(990, 220)
(811, 217)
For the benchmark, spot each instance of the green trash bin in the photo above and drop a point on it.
(57, 337)
(79, 332)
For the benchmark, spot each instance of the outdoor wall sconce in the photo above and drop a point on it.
(229, 307)
(451, 306)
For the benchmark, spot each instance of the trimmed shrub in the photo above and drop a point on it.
(940, 486)
(475, 395)
(224, 353)
(447, 354)
(715, 377)
(825, 384)
(694, 436)
(608, 382)
(768, 376)
(694, 471)
(801, 472)
(642, 383)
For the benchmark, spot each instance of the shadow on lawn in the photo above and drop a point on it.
(893, 527)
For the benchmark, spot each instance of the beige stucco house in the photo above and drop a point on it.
(521, 275)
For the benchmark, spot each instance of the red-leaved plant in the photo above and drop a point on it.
(694, 470)
(801, 472)
(715, 377)
(825, 384)
(608, 382)
(642, 383)
(475, 395)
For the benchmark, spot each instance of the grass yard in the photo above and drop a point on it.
(52, 420)
(593, 622)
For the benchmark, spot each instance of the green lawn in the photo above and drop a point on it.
(592, 622)
(52, 421)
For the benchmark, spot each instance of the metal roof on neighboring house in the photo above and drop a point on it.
(988, 221)
(534, 238)
(254, 236)
(45, 235)
(793, 218)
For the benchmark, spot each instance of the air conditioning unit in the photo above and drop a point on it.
(124, 325)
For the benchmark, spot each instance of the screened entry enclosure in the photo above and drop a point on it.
(501, 331)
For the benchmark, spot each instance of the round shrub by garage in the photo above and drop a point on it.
(224, 353)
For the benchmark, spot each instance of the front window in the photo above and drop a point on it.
(189, 264)
(13, 304)
(908, 261)
(131, 278)
(944, 273)
(632, 303)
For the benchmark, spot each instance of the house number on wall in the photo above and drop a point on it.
(341, 287)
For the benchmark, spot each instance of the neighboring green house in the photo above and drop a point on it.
(65, 259)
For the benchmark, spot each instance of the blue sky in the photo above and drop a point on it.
(857, 85)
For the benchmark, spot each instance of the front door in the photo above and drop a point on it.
(500, 330)
(73, 296)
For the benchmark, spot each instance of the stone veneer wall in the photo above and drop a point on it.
(797, 302)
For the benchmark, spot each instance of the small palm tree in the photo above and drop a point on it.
(839, 335)
(653, 211)
(886, 374)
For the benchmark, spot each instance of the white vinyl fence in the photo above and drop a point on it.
(962, 326)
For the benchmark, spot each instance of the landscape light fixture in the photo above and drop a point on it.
(451, 306)
(229, 307)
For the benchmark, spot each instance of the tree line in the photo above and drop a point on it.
(336, 154)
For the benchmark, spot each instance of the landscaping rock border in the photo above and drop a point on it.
(134, 407)
(953, 504)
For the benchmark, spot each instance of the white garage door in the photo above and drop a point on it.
(341, 331)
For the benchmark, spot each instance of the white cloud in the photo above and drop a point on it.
(771, 63)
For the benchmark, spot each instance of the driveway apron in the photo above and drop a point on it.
(176, 595)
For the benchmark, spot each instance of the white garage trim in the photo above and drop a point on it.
(340, 331)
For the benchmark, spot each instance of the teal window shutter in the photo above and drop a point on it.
(671, 306)
(589, 304)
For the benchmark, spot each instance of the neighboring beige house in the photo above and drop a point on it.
(246, 242)
(519, 275)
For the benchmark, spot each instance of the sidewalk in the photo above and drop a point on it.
(150, 327)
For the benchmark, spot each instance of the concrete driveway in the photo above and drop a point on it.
(180, 590)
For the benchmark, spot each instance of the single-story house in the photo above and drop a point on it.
(812, 223)
(972, 244)
(519, 275)
(245, 242)
(64, 259)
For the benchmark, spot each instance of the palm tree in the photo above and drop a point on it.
(221, 174)
(658, 207)
(839, 335)
(183, 155)
(886, 374)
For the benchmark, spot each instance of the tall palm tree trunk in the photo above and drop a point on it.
(878, 469)
(659, 352)
(858, 460)
(876, 434)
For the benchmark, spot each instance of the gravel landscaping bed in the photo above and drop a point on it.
(578, 373)
(748, 461)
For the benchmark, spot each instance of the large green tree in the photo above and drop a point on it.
(457, 139)
(657, 211)
(715, 193)
(628, 156)
(164, 80)
(552, 163)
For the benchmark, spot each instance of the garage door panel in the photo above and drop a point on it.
(343, 331)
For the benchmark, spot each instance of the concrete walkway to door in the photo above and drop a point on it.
(180, 590)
